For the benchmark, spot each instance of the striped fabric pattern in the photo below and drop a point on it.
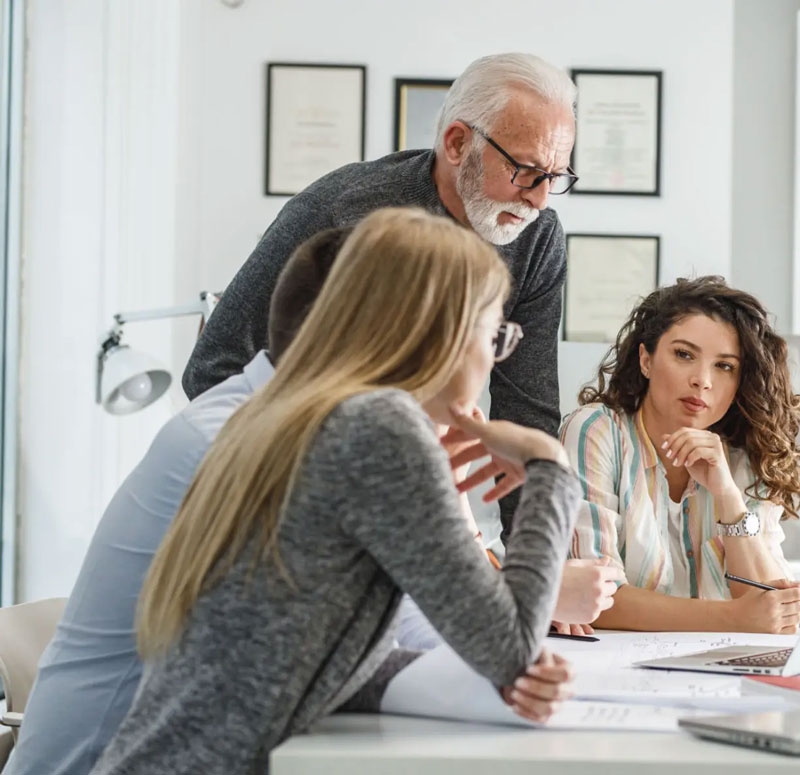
(624, 514)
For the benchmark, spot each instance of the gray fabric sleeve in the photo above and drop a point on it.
(368, 698)
(524, 388)
(238, 328)
(496, 620)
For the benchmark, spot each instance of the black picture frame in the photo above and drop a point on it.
(606, 276)
(617, 148)
(315, 122)
(422, 94)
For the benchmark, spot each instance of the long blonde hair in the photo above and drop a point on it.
(397, 310)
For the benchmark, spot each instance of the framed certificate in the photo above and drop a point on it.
(417, 102)
(315, 122)
(618, 132)
(607, 274)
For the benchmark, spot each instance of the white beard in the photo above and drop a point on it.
(482, 213)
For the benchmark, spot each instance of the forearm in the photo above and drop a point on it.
(499, 620)
(750, 558)
(643, 609)
(746, 556)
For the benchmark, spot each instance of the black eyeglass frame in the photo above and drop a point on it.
(549, 176)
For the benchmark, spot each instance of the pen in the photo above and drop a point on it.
(571, 637)
(752, 583)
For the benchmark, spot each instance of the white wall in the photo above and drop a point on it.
(764, 78)
(98, 237)
(138, 111)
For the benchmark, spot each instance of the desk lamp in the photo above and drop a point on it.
(129, 380)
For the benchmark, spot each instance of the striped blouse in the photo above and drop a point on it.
(625, 511)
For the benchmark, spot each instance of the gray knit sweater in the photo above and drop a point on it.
(374, 512)
(524, 388)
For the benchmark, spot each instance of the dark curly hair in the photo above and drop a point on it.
(764, 417)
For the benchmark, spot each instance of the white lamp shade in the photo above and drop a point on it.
(130, 380)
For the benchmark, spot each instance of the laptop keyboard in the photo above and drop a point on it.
(768, 659)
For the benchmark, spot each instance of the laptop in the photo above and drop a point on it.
(747, 660)
(778, 732)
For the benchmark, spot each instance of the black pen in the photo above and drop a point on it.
(571, 637)
(752, 583)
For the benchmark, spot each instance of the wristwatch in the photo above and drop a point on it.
(749, 525)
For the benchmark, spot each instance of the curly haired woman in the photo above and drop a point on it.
(687, 457)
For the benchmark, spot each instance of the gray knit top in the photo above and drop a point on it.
(374, 512)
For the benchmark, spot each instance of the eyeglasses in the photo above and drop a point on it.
(506, 340)
(528, 176)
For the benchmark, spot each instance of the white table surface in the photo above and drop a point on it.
(348, 744)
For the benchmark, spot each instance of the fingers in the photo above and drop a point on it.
(489, 471)
(474, 451)
(784, 583)
(698, 449)
(588, 562)
(467, 422)
(790, 618)
(611, 573)
(606, 602)
(539, 692)
(560, 627)
(529, 707)
(787, 595)
(555, 670)
(546, 657)
(538, 689)
(512, 477)
(685, 442)
(507, 484)
(453, 436)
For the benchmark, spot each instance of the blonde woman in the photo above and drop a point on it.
(271, 601)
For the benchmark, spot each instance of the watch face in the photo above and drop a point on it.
(751, 524)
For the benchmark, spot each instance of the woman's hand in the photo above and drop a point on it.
(587, 589)
(702, 454)
(539, 692)
(509, 445)
(776, 611)
(456, 441)
(571, 629)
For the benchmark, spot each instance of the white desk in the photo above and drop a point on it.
(392, 745)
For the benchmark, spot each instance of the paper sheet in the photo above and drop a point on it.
(441, 685)
(610, 694)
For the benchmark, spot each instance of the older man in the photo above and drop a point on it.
(503, 142)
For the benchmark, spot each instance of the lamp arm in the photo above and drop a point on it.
(203, 306)
(196, 308)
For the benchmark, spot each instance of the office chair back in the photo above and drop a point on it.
(25, 631)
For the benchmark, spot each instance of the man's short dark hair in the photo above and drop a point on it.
(299, 284)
